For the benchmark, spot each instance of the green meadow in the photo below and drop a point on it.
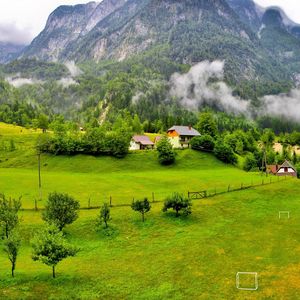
(194, 257)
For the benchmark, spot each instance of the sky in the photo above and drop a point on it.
(22, 20)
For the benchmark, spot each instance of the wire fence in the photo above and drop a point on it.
(125, 200)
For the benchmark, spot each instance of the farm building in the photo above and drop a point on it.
(180, 136)
(286, 169)
(141, 142)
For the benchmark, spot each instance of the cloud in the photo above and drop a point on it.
(11, 33)
(67, 81)
(18, 82)
(283, 105)
(73, 69)
(203, 85)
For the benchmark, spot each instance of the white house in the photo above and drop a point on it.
(286, 169)
(141, 142)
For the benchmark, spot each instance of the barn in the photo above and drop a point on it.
(286, 169)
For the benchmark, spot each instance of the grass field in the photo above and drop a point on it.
(166, 257)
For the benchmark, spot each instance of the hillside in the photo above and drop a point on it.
(98, 178)
(172, 257)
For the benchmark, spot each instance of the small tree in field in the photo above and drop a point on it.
(178, 202)
(166, 154)
(142, 206)
(11, 248)
(61, 210)
(9, 218)
(50, 247)
(104, 216)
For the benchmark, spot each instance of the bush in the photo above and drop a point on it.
(224, 152)
(250, 162)
(178, 202)
(204, 142)
(166, 154)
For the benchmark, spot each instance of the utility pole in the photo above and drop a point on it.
(39, 170)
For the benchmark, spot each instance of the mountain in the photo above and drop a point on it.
(9, 51)
(249, 12)
(182, 31)
(67, 24)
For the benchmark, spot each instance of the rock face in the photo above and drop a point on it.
(189, 31)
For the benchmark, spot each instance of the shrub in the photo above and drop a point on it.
(178, 202)
(224, 152)
(166, 154)
(204, 142)
(250, 162)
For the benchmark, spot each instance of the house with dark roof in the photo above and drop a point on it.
(141, 142)
(180, 136)
(286, 169)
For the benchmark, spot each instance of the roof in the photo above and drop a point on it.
(287, 164)
(185, 130)
(142, 139)
(272, 168)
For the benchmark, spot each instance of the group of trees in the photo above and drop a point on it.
(49, 244)
(95, 141)
(256, 146)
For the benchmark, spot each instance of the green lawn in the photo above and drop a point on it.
(166, 257)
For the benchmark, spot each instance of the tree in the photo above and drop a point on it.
(9, 219)
(43, 122)
(166, 154)
(224, 152)
(207, 124)
(11, 248)
(61, 210)
(267, 142)
(204, 142)
(178, 202)
(104, 216)
(50, 247)
(142, 206)
(136, 124)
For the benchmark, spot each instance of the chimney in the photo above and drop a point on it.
(190, 127)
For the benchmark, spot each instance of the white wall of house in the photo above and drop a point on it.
(175, 142)
(290, 170)
(134, 146)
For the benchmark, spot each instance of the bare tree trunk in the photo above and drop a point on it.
(13, 266)
(53, 271)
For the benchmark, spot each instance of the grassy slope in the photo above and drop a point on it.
(165, 258)
(169, 258)
(98, 178)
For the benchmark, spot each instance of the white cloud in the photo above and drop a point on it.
(291, 7)
(29, 16)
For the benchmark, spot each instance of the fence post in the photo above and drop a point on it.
(242, 186)
(35, 205)
(89, 203)
(110, 201)
(262, 182)
(153, 198)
